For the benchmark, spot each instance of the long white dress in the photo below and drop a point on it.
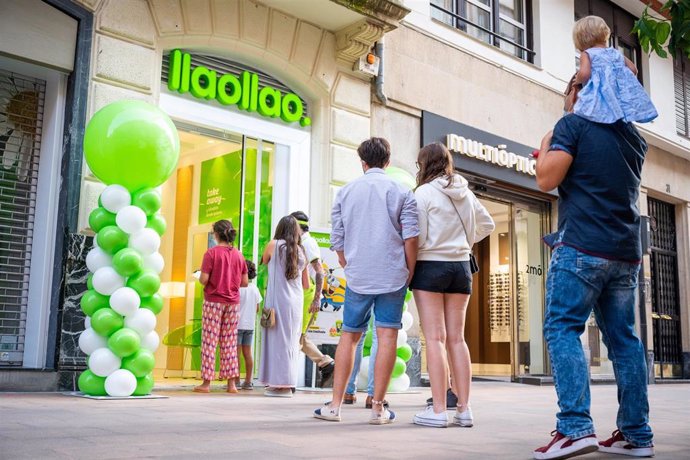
(280, 349)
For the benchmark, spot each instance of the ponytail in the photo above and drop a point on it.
(225, 231)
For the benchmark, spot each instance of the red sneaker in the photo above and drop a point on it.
(617, 444)
(562, 446)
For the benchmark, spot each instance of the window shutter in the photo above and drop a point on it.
(681, 84)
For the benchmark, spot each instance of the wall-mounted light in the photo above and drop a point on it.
(172, 289)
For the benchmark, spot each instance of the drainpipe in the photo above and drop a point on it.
(378, 51)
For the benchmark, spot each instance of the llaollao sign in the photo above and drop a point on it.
(243, 91)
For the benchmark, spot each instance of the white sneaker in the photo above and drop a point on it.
(382, 418)
(326, 413)
(430, 418)
(464, 419)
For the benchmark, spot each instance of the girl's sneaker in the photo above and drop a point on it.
(464, 419)
(430, 418)
(382, 418)
(247, 386)
(326, 413)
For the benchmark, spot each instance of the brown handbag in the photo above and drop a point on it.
(268, 318)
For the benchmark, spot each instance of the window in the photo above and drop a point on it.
(681, 83)
(621, 24)
(502, 23)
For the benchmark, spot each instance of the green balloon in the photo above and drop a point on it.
(399, 368)
(112, 239)
(141, 363)
(368, 339)
(106, 321)
(146, 283)
(92, 301)
(408, 296)
(404, 352)
(89, 281)
(131, 143)
(128, 262)
(91, 384)
(144, 385)
(402, 177)
(148, 200)
(366, 351)
(100, 218)
(153, 303)
(124, 342)
(157, 223)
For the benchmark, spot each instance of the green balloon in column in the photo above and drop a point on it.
(404, 352)
(153, 303)
(100, 218)
(157, 223)
(91, 384)
(148, 200)
(144, 385)
(399, 368)
(146, 283)
(141, 363)
(124, 342)
(366, 351)
(368, 338)
(112, 239)
(89, 281)
(408, 296)
(92, 301)
(128, 262)
(106, 321)
(131, 143)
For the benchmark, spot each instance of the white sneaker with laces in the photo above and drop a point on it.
(464, 418)
(430, 418)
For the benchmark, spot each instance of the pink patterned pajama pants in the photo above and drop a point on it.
(219, 323)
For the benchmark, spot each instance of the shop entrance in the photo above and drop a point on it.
(505, 314)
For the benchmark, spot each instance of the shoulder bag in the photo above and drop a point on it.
(474, 266)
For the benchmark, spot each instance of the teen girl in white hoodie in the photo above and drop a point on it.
(451, 220)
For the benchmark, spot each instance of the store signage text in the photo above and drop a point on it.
(242, 91)
(496, 155)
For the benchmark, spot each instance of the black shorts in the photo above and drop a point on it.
(443, 277)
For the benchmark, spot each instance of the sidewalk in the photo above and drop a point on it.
(511, 419)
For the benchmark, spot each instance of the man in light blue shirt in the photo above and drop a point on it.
(375, 233)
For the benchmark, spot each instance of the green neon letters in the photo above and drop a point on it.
(243, 92)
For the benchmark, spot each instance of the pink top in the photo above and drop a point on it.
(225, 267)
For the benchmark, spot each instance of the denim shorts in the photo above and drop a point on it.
(442, 277)
(387, 309)
(245, 337)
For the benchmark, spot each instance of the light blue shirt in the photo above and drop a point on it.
(372, 217)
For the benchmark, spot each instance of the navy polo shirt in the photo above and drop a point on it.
(597, 206)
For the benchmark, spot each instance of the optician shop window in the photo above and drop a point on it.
(505, 24)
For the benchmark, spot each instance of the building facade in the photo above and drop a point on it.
(483, 76)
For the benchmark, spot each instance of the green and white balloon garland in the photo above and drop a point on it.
(133, 147)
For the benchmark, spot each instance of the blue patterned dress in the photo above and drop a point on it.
(613, 91)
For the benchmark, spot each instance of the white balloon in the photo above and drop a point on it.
(143, 321)
(87, 322)
(407, 320)
(120, 383)
(364, 370)
(90, 341)
(106, 281)
(131, 219)
(154, 262)
(97, 258)
(95, 243)
(402, 339)
(151, 341)
(104, 362)
(401, 383)
(145, 241)
(125, 301)
(115, 197)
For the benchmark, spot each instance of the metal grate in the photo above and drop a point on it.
(665, 299)
(224, 66)
(21, 121)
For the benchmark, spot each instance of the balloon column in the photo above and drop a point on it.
(133, 147)
(400, 381)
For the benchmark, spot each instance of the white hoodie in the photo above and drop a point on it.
(442, 236)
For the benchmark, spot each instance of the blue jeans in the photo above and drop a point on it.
(576, 284)
(352, 383)
(387, 309)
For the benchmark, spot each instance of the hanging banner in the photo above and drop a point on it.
(327, 326)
